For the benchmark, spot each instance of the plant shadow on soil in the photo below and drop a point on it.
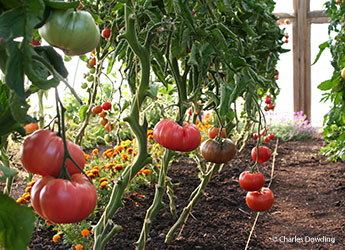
(309, 206)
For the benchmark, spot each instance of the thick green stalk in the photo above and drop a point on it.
(186, 211)
(41, 108)
(103, 231)
(157, 203)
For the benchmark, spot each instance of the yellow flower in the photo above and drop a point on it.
(85, 232)
(102, 179)
(118, 167)
(202, 139)
(118, 149)
(149, 138)
(56, 237)
(79, 247)
(32, 183)
(105, 153)
(149, 132)
(28, 189)
(95, 151)
(103, 184)
(21, 200)
(96, 167)
(26, 196)
(110, 165)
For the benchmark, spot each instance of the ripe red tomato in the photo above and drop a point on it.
(109, 126)
(260, 201)
(106, 33)
(106, 106)
(263, 132)
(251, 181)
(287, 36)
(92, 61)
(255, 136)
(266, 139)
(97, 109)
(36, 42)
(172, 136)
(218, 152)
(286, 41)
(271, 106)
(213, 132)
(268, 100)
(271, 136)
(43, 152)
(264, 154)
(64, 201)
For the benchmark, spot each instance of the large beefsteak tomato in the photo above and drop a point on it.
(218, 152)
(172, 136)
(64, 201)
(43, 152)
(75, 32)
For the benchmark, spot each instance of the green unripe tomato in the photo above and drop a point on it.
(90, 78)
(108, 138)
(84, 85)
(75, 32)
(92, 70)
(343, 73)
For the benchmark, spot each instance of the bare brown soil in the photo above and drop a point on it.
(308, 213)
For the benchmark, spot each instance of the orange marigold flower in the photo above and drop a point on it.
(26, 196)
(56, 237)
(149, 132)
(91, 175)
(102, 179)
(32, 183)
(118, 167)
(124, 157)
(21, 200)
(96, 167)
(105, 153)
(95, 151)
(202, 139)
(85, 232)
(48, 222)
(28, 189)
(103, 184)
(146, 172)
(95, 172)
(110, 165)
(149, 138)
(130, 150)
(139, 173)
(79, 247)
(87, 157)
(118, 149)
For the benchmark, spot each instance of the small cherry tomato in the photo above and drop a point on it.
(263, 132)
(213, 132)
(266, 139)
(96, 110)
(251, 181)
(106, 33)
(92, 61)
(103, 114)
(260, 201)
(271, 106)
(36, 42)
(31, 127)
(264, 154)
(255, 136)
(271, 136)
(103, 121)
(106, 105)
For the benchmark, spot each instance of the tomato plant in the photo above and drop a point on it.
(213, 132)
(64, 201)
(172, 136)
(264, 154)
(261, 200)
(251, 181)
(218, 151)
(75, 32)
(43, 153)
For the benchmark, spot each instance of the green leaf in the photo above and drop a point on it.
(7, 173)
(224, 100)
(18, 107)
(193, 60)
(12, 23)
(326, 85)
(82, 112)
(14, 76)
(238, 62)
(16, 224)
(322, 47)
(54, 58)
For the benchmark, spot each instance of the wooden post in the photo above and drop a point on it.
(301, 57)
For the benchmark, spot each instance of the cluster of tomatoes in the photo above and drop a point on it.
(268, 101)
(187, 137)
(100, 110)
(57, 200)
(267, 138)
(258, 198)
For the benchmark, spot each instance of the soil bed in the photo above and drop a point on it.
(308, 213)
